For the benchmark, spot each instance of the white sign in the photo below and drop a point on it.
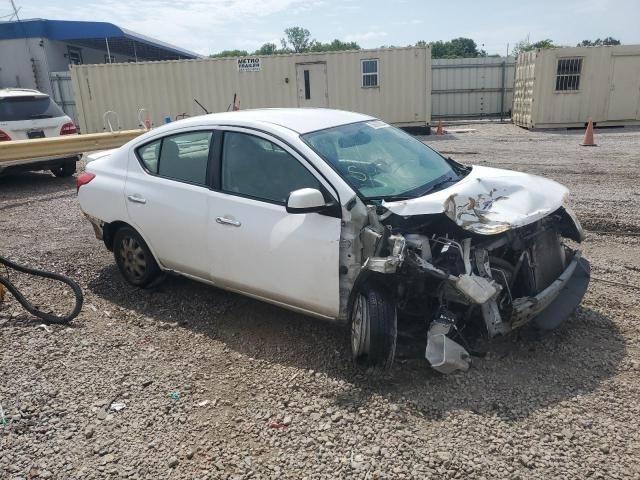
(249, 65)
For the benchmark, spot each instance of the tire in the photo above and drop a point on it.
(133, 257)
(374, 329)
(65, 170)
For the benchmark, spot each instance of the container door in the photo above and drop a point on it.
(311, 79)
(624, 99)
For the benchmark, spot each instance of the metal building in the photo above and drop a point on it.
(393, 84)
(37, 53)
(565, 87)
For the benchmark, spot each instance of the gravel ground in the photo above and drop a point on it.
(216, 385)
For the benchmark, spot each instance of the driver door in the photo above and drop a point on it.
(255, 246)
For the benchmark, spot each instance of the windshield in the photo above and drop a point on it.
(380, 161)
(13, 109)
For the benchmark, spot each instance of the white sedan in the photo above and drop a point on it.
(340, 216)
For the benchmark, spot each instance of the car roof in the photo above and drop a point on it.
(301, 120)
(20, 92)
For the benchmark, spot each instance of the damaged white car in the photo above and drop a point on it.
(341, 216)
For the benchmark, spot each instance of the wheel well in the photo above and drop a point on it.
(109, 232)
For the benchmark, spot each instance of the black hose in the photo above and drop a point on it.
(28, 306)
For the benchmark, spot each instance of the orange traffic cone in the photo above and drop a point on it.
(439, 129)
(588, 136)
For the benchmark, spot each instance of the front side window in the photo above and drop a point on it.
(182, 157)
(255, 167)
(568, 74)
(370, 72)
(380, 161)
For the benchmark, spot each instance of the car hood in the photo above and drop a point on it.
(489, 201)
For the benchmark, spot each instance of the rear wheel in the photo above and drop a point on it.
(374, 329)
(133, 257)
(65, 170)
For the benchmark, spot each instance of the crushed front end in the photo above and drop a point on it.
(455, 278)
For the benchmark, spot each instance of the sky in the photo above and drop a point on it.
(209, 26)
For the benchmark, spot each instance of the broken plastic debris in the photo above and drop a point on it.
(45, 328)
(117, 406)
(203, 403)
(174, 396)
(445, 355)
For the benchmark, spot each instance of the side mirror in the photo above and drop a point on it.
(306, 200)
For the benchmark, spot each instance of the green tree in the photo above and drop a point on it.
(599, 42)
(526, 45)
(455, 48)
(298, 38)
(267, 49)
(230, 53)
(334, 46)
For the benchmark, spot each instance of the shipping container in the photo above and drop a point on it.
(478, 87)
(565, 87)
(393, 84)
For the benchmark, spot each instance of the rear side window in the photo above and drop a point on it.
(14, 109)
(182, 157)
(149, 155)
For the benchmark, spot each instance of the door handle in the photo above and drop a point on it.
(136, 199)
(227, 221)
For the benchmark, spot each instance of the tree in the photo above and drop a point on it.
(598, 42)
(526, 45)
(456, 48)
(299, 38)
(335, 46)
(230, 53)
(267, 49)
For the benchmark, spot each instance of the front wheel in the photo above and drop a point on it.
(374, 329)
(133, 257)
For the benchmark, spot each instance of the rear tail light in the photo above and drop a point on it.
(4, 137)
(68, 128)
(83, 179)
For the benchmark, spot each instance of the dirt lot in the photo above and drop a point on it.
(206, 375)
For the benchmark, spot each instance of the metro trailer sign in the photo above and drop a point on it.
(249, 64)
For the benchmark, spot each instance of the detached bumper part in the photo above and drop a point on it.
(445, 355)
(554, 304)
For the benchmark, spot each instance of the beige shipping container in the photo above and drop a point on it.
(393, 84)
(565, 87)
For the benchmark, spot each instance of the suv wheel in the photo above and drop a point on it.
(133, 257)
(65, 170)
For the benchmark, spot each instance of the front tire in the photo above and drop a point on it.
(374, 329)
(134, 259)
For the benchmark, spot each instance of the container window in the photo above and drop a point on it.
(568, 74)
(370, 72)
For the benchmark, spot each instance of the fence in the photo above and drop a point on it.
(63, 93)
(472, 87)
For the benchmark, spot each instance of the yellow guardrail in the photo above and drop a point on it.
(16, 151)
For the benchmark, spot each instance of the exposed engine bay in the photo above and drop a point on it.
(457, 280)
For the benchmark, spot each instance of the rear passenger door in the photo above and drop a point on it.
(166, 192)
(258, 248)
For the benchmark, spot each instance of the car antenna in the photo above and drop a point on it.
(201, 106)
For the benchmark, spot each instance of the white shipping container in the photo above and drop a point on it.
(393, 84)
(565, 87)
